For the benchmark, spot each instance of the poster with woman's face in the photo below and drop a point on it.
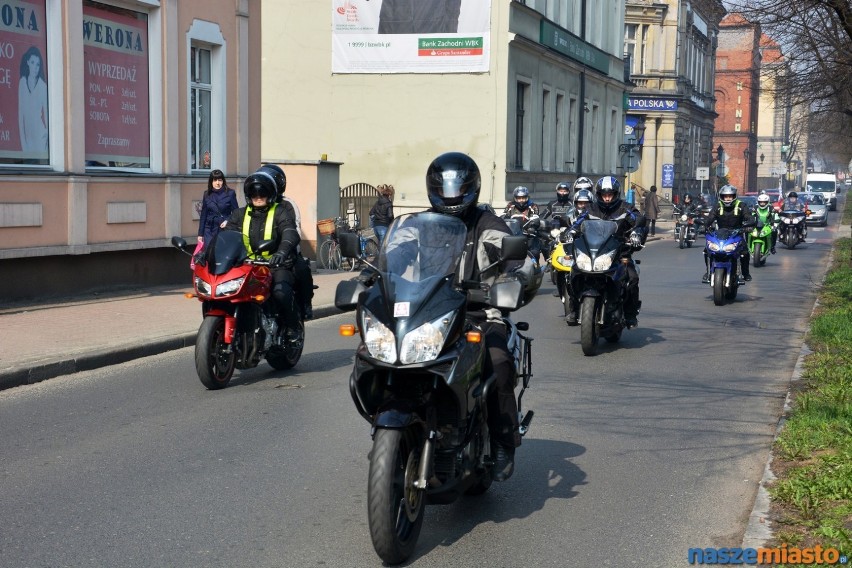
(24, 115)
(115, 60)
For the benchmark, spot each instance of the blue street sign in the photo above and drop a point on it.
(668, 175)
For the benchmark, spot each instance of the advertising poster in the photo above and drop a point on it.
(115, 58)
(24, 116)
(405, 36)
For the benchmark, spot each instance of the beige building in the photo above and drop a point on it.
(113, 114)
(671, 46)
(533, 91)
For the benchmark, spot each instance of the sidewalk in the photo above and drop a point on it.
(43, 341)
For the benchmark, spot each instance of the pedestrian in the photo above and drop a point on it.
(217, 203)
(651, 209)
(381, 214)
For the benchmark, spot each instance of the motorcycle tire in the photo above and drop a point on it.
(757, 254)
(719, 287)
(792, 239)
(215, 360)
(731, 293)
(589, 325)
(286, 356)
(395, 507)
(681, 241)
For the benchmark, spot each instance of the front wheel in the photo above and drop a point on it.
(589, 325)
(719, 287)
(757, 255)
(792, 239)
(394, 506)
(681, 241)
(215, 360)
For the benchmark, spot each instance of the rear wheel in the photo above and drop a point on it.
(394, 506)
(215, 360)
(719, 287)
(589, 325)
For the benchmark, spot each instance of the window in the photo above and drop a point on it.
(24, 79)
(115, 56)
(200, 97)
(546, 136)
(206, 141)
(522, 126)
(559, 136)
(635, 46)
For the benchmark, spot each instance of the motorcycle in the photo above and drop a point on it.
(417, 377)
(759, 242)
(724, 248)
(240, 325)
(561, 261)
(599, 278)
(792, 230)
(685, 229)
(535, 242)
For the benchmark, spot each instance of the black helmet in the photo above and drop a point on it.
(278, 176)
(687, 197)
(452, 183)
(608, 185)
(582, 196)
(563, 191)
(260, 184)
(792, 195)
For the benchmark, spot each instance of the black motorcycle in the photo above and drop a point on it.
(685, 227)
(418, 373)
(599, 280)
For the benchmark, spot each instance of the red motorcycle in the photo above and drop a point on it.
(240, 325)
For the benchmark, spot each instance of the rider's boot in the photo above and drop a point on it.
(504, 462)
(706, 278)
(571, 316)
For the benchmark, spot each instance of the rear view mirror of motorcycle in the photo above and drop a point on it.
(506, 294)
(347, 293)
(178, 242)
(514, 248)
(350, 245)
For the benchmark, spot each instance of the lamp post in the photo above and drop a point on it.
(720, 168)
(628, 148)
(747, 169)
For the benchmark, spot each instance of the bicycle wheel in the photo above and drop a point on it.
(335, 260)
(371, 248)
(325, 253)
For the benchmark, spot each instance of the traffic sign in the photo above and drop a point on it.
(702, 173)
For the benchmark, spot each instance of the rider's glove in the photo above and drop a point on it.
(635, 240)
(201, 258)
(280, 259)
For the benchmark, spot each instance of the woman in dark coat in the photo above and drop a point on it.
(382, 212)
(652, 209)
(216, 206)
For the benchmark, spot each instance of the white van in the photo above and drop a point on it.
(826, 184)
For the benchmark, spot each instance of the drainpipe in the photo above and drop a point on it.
(581, 122)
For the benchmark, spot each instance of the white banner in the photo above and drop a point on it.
(410, 36)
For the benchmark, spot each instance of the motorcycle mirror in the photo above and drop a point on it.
(347, 293)
(350, 244)
(178, 242)
(514, 247)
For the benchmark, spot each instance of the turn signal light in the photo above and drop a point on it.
(348, 330)
(473, 336)
(189, 295)
(259, 298)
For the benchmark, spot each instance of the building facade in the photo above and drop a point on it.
(738, 63)
(671, 46)
(533, 91)
(117, 110)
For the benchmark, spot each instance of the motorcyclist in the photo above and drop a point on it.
(731, 213)
(792, 203)
(559, 207)
(582, 200)
(688, 205)
(765, 214)
(264, 218)
(521, 204)
(608, 205)
(302, 268)
(453, 184)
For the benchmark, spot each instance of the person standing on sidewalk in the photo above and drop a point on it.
(381, 213)
(217, 203)
(651, 209)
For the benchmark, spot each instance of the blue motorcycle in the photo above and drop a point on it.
(724, 248)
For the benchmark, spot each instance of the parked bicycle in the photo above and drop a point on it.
(330, 256)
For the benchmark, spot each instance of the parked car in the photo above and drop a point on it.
(749, 199)
(818, 208)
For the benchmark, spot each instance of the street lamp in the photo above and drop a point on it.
(632, 143)
(720, 169)
(747, 169)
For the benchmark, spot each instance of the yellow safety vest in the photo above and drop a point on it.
(736, 207)
(267, 229)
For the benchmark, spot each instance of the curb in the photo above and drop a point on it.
(88, 361)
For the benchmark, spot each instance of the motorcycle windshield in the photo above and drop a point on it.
(597, 231)
(226, 252)
(419, 250)
(723, 234)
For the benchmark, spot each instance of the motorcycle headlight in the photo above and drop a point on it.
(230, 287)
(713, 247)
(378, 339)
(683, 218)
(604, 262)
(202, 286)
(730, 247)
(425, 342)
(567, 261)
(583, 261)
(788, 220)
(554, 233)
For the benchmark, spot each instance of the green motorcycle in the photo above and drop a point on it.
(759, 242)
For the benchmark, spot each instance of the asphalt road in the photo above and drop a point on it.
(653, 446)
